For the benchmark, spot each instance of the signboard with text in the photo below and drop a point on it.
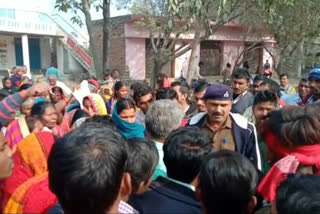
(29, 27)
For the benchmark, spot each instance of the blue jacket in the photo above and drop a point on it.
(166, 196)
(244, 133)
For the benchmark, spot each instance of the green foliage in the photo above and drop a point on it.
(291, 22)
(74, 6)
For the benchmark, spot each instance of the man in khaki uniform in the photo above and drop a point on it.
(227, 130)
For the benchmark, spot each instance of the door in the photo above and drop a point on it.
(210, 55)
(18, 49)
(34, 53)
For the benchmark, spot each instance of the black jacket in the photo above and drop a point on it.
(166, 196)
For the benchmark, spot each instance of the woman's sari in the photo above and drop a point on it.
(30, 161)
(17, 130)
(33, 196)
(128, 130)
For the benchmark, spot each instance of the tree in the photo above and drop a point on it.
(205, 17)
(163, 30)
(168, 21)
(84, 7)
(293, 23)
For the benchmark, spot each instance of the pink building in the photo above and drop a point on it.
(130, 49)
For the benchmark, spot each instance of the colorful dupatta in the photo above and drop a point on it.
(66, 121)
(17, 130)
(291, 159)
(98, 105)
(30, 160)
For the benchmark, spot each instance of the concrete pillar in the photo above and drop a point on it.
(25, 52)
(60, 56)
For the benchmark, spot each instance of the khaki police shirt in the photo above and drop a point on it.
(222, 138)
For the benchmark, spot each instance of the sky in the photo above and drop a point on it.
(47, 6)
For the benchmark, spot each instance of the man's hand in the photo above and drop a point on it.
(38, 90)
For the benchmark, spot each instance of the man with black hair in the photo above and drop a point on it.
(183, 91)
(300, 98)
(143, 97)
(225, 129)
(87, 170)
(314, 81)
(134, 87)
(166, 93)
(299, 194)
(227, 184)
(264, 103)
(143, 158)
(198, 96)
(257, 81)
(267, 85)
(184, 151)
(115, 75)
(274, 87)
(242, 98)
(286, 88)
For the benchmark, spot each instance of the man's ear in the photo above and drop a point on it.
(252, 205)
(126, 188)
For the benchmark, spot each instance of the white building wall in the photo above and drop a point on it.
(60, 57)
(7, 52)
(45, 52)
(73, 65)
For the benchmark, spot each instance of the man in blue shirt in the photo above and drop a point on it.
(300, 98)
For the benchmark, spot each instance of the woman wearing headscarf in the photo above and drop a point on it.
(71, 118)
(53, 81)
(16, 77)
(94, 105)
(120, 90)
(52, 71)
(27, 190)
(59, 100)
(8, 87)
(124, 117)
(292, 138)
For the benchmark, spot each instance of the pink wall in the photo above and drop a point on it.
(231, 51)
(226, 33)
(136, 58)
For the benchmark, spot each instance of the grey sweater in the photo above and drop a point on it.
(244, 102)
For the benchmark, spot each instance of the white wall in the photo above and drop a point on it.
(8, 59)
(60, 56)
(45, 52)
(73, 65)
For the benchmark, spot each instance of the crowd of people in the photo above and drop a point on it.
(247, 146)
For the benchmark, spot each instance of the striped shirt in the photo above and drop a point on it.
(10, 105)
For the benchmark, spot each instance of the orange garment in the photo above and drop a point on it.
(30, 160)
(33, 196)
